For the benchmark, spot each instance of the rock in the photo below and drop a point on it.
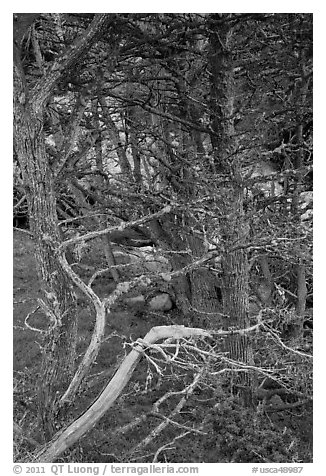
(136, 300)
(161, 302)
(157, 264)
(124, 258)
(276, 401)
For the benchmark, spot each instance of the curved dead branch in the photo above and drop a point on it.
(69, 435)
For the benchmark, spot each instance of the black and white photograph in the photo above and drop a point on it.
(162, 240)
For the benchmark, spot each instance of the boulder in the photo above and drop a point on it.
(135, 300)
(157, 264)
(161, 302)
(276, 401)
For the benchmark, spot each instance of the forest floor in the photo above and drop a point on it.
(106, 442)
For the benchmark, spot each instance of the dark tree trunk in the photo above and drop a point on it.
(57, 292)
(197, 293)
(235, 289)
(234, 229)
(301, 298)
(58, 298)
(300, 99)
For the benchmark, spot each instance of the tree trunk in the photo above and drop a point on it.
(197, 293)
(58, 297)
(57, 293)
(235, 291)
(301, 298)
(233, 227)
(300, 97)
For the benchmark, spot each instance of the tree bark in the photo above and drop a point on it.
(57, 293)
(58, 297)
(300, 100)
(301, 298)
(233, 227)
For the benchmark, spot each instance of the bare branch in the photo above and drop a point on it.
(69, 435)
(123, 226)
(45, 85)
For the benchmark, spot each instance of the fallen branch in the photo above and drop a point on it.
(66, 437)
(69, 435)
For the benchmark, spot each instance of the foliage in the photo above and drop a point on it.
(239, 436)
